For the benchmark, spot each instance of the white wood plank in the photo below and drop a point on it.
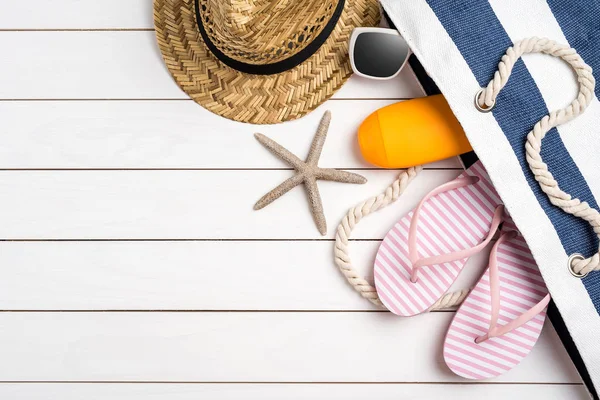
(187, 276)
(232, 346)
(245, 347)
(393, 391)
(404, 86)
(169, 134)
(119, 65)
(167, 204)
(76, 14)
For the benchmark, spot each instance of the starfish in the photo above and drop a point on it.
(307, 172)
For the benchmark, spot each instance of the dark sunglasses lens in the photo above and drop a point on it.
(379, 55)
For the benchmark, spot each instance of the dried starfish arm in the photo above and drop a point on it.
(279, 151)
(316, 206)
(330, 174)
(307, 172)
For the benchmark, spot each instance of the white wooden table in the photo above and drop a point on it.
(132, 265)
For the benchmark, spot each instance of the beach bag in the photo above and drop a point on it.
(459, 44)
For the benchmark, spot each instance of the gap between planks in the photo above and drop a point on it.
(487, 383)
(188, 240)
(196, 240)
(79, 30)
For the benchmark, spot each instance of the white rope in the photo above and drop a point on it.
(353, 217)
(487, 99)
(534, 139)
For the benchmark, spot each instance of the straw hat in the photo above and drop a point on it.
(259, 61)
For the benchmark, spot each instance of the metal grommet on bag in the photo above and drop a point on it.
(480, 108)
(572, 257)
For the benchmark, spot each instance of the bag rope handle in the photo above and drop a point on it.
(485, 100)
(349, 222)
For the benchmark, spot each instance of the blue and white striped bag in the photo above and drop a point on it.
(459, 43)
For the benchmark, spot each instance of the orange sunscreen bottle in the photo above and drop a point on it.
(412, 132)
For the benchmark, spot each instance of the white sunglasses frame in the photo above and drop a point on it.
(355, 33)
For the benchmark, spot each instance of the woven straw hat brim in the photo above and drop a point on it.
(258, 99)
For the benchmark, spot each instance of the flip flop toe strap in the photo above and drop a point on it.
(419, 262)
(499, 330)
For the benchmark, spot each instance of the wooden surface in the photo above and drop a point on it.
(132, 265)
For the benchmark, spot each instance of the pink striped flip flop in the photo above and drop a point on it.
(501, 319)
(422, 255)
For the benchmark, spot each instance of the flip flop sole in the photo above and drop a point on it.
(450, 221)
(521, 287)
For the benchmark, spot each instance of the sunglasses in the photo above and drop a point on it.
(378, 53)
